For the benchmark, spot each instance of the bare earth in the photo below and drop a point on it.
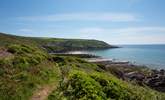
(4, 53)
(43, 92)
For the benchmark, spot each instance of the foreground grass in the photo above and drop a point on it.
(24, 71)
(89, 82)
(82, 86)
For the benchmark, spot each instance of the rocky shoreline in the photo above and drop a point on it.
(125, 70)
(141, 75)
(76, 55)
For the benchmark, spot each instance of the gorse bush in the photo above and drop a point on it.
(20, 49)
(26, 56)
(84, 87)
(112, 88)
(80, 87)
(26, 50)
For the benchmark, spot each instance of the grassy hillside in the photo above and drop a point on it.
(22, 69)
(55, 44)
(25, 68)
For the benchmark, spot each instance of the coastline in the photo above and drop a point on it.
(89, 57)
(125, 70)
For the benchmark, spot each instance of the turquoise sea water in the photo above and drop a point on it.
(151, 55)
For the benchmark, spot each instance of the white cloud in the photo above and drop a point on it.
(134, 30)
(25, 30)
(129, 30)
(115, 17)
(126, 35)
(129, 35)
(92, 30)
(138, 39)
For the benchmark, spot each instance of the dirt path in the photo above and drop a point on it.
(4, 53)
(43, 92)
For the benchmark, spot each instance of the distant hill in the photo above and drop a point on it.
(55, 44)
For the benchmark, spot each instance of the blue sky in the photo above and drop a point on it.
(113, 21)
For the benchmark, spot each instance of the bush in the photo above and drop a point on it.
(113, 89)
(19, 49)
(21, 62)
(25, 56)
(23, 76)
(57, 59)
(81, 86)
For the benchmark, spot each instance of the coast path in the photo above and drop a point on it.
(43, 92)
(4, 54)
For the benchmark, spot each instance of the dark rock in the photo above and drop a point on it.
(156, 80)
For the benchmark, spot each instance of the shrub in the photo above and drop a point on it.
(81, 86)
(19, 49)
(21, 62)
(23, 76)
(112, 89)
(58, 59)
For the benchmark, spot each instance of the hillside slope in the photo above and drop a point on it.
(55, 44)
(25, 69)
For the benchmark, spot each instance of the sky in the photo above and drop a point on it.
(112, 21)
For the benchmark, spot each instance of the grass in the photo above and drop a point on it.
(99, 86)
(54, 44)
(28, 66)
(88, 81)
(23, 73)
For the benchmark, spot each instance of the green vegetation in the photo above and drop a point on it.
(55, 44)
(25, 67)
(93, 83)
(24, 71)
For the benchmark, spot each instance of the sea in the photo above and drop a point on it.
(152, 56)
